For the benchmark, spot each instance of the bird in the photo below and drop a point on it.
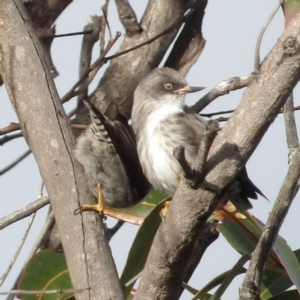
(108, 154)
(162, 122)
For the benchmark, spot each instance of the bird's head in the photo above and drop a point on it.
(164, 84)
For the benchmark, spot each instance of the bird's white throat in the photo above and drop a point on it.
(156, 150)
(164, 109)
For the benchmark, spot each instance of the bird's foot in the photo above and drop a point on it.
(164, 211)
(99, 207)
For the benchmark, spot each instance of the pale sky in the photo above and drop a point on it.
(230, 28)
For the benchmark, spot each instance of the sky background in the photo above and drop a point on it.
(230, 28)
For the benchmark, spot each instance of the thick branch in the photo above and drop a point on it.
(232, 147)
(124, 73)
(190, 43)
(48, 134)
(250, 288)
(127, 17)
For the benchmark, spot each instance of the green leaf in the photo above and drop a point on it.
(201, 294)
(288, 260)
(140, 248)
(288, 295)
(189, 288)
(194, 292)
(236, 270)
(239, 237)
(137, 213)
(275, 281)
(282, 267)
(47, 270)
(243, 234)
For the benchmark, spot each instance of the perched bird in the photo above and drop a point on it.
(162, 123)
(107, 151)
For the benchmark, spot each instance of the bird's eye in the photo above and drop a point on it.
(168, 86)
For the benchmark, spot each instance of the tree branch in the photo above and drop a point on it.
(230, 150)
(190, 43)
(250, 289)
(48, 134)
(127, 17)
(8, 138)
(114, 86)
(261, 34)
(88, 42)
(223, 88)
(290, 124)
(15, 162)
(24, 212)
(19, 248)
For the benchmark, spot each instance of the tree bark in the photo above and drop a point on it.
(48, 134)
(190, 208)
(124, 73)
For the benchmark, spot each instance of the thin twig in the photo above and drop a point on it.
(209, 115)
(102, 33)
(223, 88)
(104, 9)
(177, 23)
(73, 33)
(260, 36)
(180, 21)
(14, 163)
(15, 256)
(34, 249)
(8, 138)
(102, 60)
(251, 285)
(87, 78)
(33, 292)
(74, 126)
(10, 128)
(24, 212)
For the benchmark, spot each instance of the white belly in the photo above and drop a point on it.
(156, 153)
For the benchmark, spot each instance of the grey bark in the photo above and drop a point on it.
(190, 208)
(48, 134)
(124, 72)
(250, 288)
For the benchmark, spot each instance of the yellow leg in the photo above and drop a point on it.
(99, 207)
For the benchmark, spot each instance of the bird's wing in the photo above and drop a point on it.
(123, 140)
(247, 188)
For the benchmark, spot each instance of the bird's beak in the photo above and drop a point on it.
(189, 89)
